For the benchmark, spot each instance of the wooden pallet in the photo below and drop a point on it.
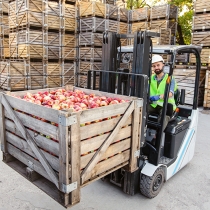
(141, 14)
(90, 54)
(112, 12)
(201, 38)
(90, 39)
(165, 36)
(13, 68)
(92, 24)
(172, 24)
(185, 78)
(93, 9)
(206, 102)
(201, 6)
(68, 69)
(44, 146)
(11, 83)
(84, 67)
(201, 22)
(205, 56)
(123, 15)
(29, 5)
(167, 11)
(31, 51)
(144, 25)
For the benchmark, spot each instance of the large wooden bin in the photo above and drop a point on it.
(60, 151)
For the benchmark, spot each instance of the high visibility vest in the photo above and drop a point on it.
(160, 90)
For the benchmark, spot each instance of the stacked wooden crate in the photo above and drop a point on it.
(164, 17)
(4, 29)
(201, 36)
(42, 36)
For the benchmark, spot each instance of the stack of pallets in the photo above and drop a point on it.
(42, 43)
(94, 19)
(201, 36)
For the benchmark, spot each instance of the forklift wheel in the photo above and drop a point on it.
(150, 186)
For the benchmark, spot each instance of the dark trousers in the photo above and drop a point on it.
(158, 110)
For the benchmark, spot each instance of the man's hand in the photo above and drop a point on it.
(154, 98)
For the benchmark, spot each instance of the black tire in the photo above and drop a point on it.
(150, 186)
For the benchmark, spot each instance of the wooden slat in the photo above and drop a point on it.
(35, 124)
(34, 109)
(23, 146)
(86, 172)
(95, 142)
(2, 129)
(100, 127)
(110, 163)
(64, 157)
(75, 158)
(111, 151)
(41, 141)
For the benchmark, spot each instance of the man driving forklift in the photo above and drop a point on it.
(157, 89)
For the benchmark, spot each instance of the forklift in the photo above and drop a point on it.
(163, 152)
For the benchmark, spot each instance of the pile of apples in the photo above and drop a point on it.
(77, 100)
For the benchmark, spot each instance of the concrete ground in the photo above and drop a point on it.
(189, 189)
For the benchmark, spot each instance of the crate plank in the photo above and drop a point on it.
(2, 129)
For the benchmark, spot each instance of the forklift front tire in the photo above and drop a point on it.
(150, 186)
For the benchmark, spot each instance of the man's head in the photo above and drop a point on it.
(157, 64)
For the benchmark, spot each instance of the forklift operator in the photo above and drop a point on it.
(157, 89)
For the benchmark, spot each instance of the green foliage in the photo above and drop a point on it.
(134, 4)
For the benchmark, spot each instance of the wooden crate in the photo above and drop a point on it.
(70, 11)
(112, 26)
(52, 68)
(201, 6)
(30, 51)
(60, 152)
(185, 78)
(53, 22)
(144, 25)
(12, 21)
(201, 22)
(53, 81)
(92, 24)
(35, 69)
(172, 24)
(53, 8)
(68, 80)
(165, 37)
(35, 82)
(141, 14)
(29, 36)
(68, 40)
(201, 38)
(84, 67)
(13, 51)
(205, 56)
(68, 53)
(90, 39)
(68, 69)
(182, 58)
(4, 45)
(53, 52)
(123, 28)
(12, 8)
(13, 36)
(52, 39)
(28, 19)
(11, 83)
(4, 19)
(69, 24)
(13, 68)
(82, 81)
(29, 5)
(112, 12)
(90, 54)
(167, 11)
(92, 8)
(4, 30)
(4, 6)
(123, 15)
(206, 102)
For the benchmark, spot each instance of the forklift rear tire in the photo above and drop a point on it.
(150, 186)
